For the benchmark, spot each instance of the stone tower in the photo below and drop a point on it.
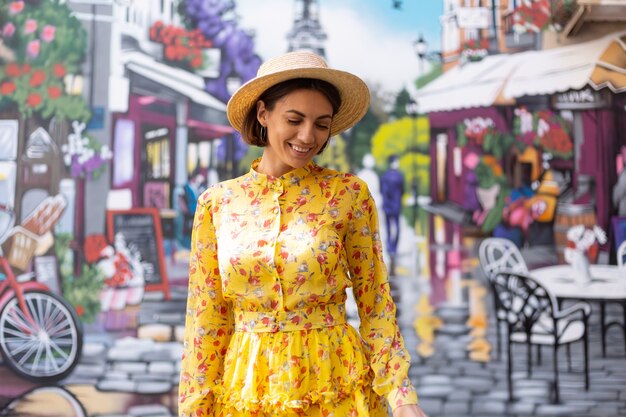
(307, 33)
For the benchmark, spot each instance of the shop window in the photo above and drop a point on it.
(124, 151)
(442, 160)
(156, 158)
(8, 140)
(7, 183)
(8, 155)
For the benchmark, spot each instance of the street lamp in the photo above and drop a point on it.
(420, 47)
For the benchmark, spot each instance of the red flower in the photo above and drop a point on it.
(12, 70)
(80, 310)
(196, 62)
(7, 88)
(37, 78)
(170, 53)
(322, 258)
(54, 92)
(58, 70)
(16, 7)
(33, 100)
(25, 69)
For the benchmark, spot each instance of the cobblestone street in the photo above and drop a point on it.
(456, 372)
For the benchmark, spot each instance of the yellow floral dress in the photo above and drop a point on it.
(266, 331)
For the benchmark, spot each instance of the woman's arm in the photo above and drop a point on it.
(388, 357)
(208, 326)
(412, 410)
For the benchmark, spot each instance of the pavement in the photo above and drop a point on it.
(131, 368)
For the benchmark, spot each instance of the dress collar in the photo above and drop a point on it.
(293, 176)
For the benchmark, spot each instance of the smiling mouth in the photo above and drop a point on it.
(300, 149)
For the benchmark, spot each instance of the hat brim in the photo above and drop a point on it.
(354, 93)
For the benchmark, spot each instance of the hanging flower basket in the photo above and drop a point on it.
(474, 50)
(532, 16)
(544, 129)
(181, 47)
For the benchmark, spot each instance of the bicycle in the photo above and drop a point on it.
(41, 336)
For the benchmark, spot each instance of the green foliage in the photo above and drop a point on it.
(253, 153)
(495, 215)
(69, 40)
(46, 42)
(334, 156)
(436, 70)
(399, 108)
(401, 136)
(492, 142)
(360, 139)
(416, 165)
(409, 139)
(83, 293)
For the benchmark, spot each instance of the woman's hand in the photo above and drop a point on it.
(410, 410)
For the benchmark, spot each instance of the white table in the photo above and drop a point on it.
(608, 284)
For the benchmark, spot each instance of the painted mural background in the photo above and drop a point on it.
(488, 119)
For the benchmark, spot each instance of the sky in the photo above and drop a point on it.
(367, 37)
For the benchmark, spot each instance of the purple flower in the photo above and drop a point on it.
(8, 30)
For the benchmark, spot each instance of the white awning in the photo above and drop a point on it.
(501, 79)
(473, 84)
(559, 69)
(179, 80)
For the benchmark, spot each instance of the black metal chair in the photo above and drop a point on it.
(498, 254)
(533, 317)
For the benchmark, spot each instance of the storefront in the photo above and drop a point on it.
(167, 107)
(515, 120)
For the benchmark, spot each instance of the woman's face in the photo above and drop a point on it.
(297, 128)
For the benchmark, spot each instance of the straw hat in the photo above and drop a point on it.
(355, 95)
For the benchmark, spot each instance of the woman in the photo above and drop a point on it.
(272, 254)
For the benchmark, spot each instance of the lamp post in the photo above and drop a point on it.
(420, 47)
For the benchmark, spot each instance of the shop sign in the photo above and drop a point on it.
(586, 98)
(159, 133)
(472, 17)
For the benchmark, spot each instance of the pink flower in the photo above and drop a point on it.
(30, 26)
(8, 30)
(16, 7)
(32, 49)
(47, 34)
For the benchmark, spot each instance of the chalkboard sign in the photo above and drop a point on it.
(141, 228)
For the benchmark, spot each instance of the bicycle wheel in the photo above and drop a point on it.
(49, 348)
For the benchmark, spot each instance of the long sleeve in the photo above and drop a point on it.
(390, 360)
(209, 325)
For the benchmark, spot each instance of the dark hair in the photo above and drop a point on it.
(251, 129)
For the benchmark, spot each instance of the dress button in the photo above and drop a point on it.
(275, 210)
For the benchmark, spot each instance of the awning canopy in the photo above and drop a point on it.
(186, 83)
(599, 63)
(501, 79)
(474, 84)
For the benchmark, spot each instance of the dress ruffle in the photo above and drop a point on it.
(290, 371)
